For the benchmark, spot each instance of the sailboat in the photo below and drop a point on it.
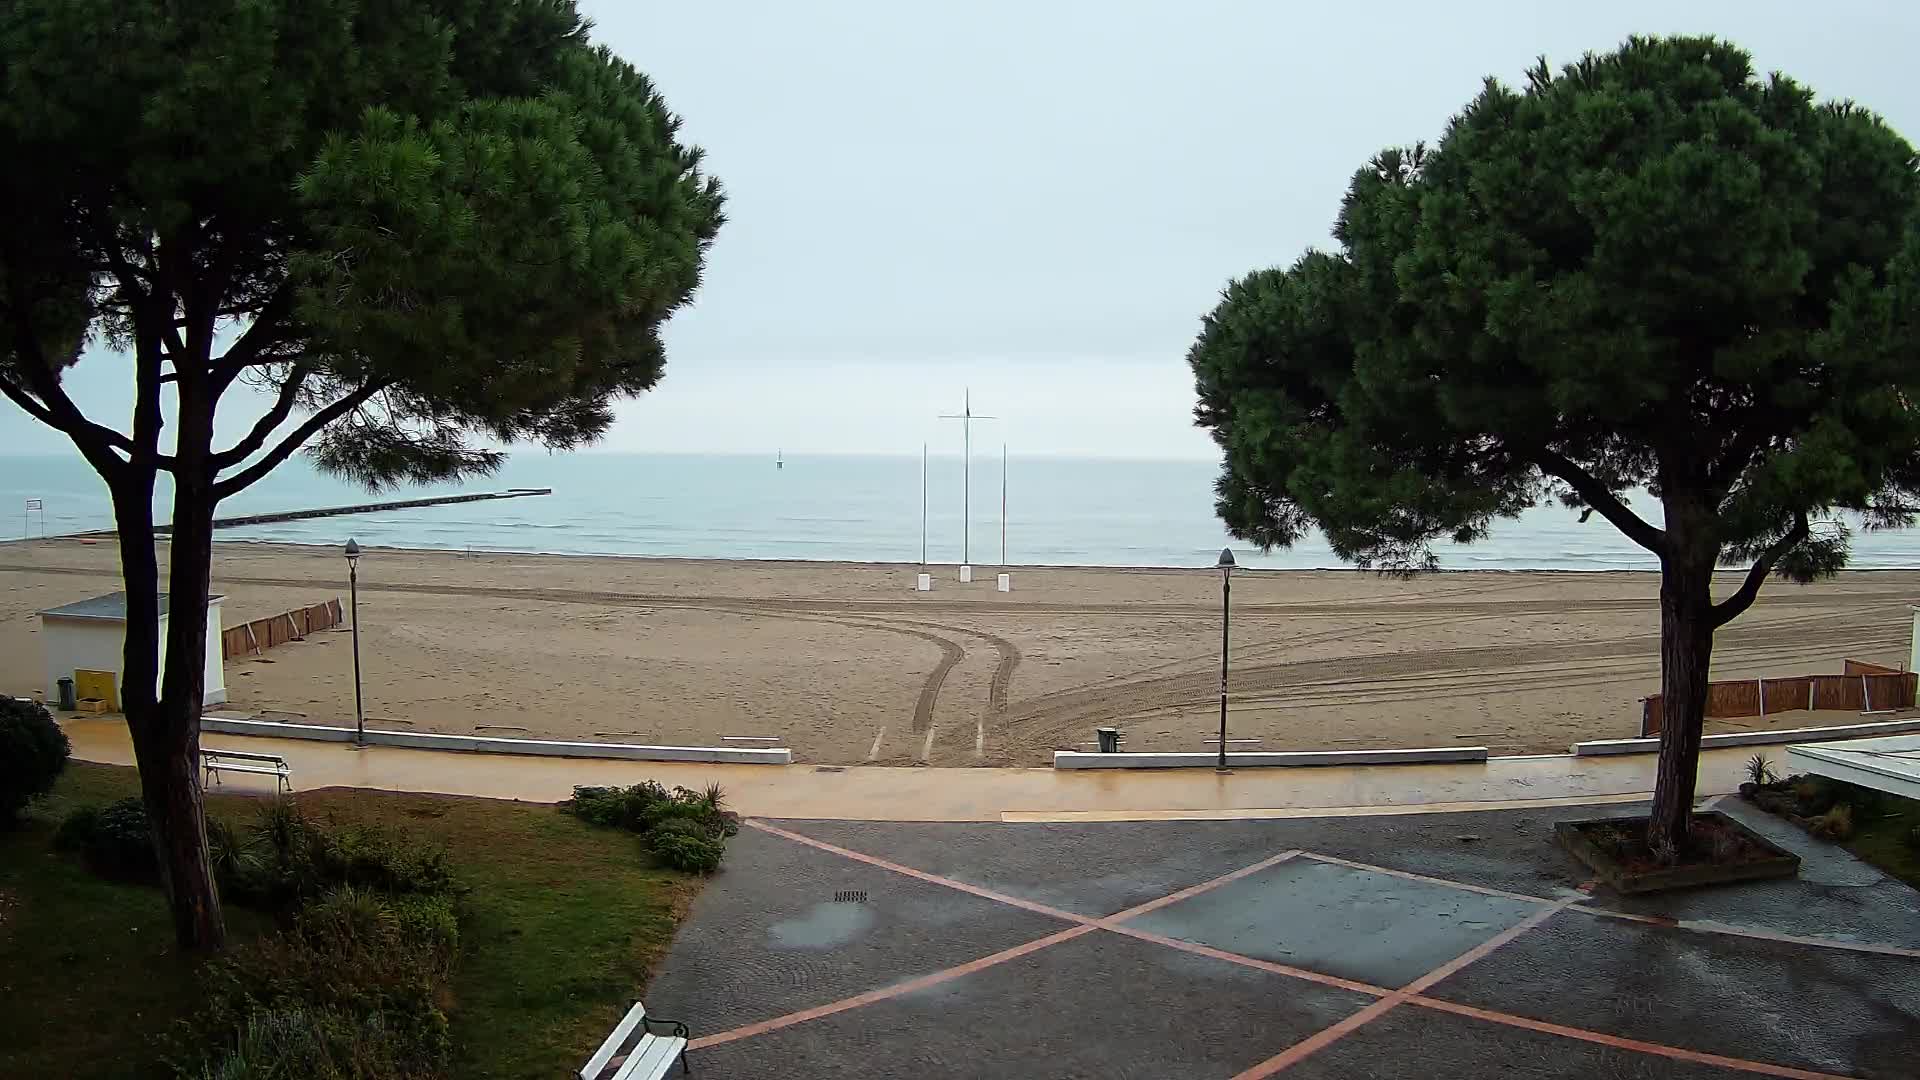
(779, 459)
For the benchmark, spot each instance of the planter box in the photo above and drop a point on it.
(1572, 835)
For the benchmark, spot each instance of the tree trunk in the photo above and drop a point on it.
(165, 727)
(196, 899)
(1686, 653)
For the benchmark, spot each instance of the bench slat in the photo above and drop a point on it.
(652, 1058)
(598, 1062)
(244, 754)
(263, 770)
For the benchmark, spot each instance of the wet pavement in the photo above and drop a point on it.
(1444, 945)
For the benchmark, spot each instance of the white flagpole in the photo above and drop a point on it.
(1003, 504)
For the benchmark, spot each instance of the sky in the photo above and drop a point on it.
(1040, 201)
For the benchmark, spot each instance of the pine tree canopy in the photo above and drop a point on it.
(408, 221)
(1652, 269)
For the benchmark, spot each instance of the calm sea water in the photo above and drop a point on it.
(1060, 511)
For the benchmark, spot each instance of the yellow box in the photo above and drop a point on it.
(99, 686)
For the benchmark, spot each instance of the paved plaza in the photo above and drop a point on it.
(1432, 945)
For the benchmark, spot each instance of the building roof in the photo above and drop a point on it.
(112, 607)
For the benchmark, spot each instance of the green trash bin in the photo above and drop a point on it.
(68, 702)
(1109, 739)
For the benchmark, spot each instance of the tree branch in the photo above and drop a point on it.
(259, 334)
(54, 408)
(1596, 495)
(264, 427)
(1747, 441)
(1727, 610)
(241, 480)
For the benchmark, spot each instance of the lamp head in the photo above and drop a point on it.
(353, 550)
(1226, 563)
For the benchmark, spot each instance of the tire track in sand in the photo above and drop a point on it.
(999, 690)
(1049, 716)
(951, 653)
(908, 608)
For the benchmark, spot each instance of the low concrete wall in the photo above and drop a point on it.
(1263, 759)
(484, 744)
(1753, 738)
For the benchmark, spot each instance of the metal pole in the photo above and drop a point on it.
(1226, 611)
(966, 484)
(359, 712)
(1003, 504)
(923, 505)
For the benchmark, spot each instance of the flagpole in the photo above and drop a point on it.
(966, 418)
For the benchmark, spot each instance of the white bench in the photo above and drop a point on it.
(216, 762)
(634, 1052)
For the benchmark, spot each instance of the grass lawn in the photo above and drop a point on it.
(560, 925)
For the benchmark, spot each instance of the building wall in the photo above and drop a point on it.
(69, 644)
(97, 644)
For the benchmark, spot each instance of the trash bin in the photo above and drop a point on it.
(1109, 739)
(67, 701)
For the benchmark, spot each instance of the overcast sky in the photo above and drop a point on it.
(1040, 200)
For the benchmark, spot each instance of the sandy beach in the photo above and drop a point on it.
(846, 663)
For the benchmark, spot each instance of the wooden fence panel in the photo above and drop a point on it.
(1856, 691)
(260, 635)
(1862, 667)
(1836, 693)
(1883, 692)
(1786, 694)
(1733, 699)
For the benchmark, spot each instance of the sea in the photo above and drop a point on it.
(1058, 511)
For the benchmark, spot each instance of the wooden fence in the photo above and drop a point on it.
(1863, 688)
(256, 637)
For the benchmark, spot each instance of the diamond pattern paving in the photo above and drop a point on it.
(1287, 962)
(1357, 924)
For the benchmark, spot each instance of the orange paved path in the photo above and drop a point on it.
(874, 793)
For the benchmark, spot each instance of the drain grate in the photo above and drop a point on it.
(850, 896)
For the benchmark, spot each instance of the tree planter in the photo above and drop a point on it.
(1757, 857)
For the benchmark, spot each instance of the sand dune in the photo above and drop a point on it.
(846, 663)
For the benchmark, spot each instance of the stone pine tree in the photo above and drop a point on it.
(391, 233)
(1650, 276)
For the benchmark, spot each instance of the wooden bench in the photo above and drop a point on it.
(634, 1052)
(216, 762)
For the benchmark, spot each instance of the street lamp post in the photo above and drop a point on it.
(353, 590)
(1226, 610)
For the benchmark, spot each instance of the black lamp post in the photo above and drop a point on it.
(353, 589)
(1226, 610)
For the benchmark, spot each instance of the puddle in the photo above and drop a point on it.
(826, 926)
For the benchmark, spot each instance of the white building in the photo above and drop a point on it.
(90, 636)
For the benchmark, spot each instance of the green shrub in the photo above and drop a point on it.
(33, 754)
(687, 845)
(295, 1043)
(683, 828)
(1814, 794)
(428, 924)
(347, 920)
(632, 808)
(234, 856)
(1835, 825)
(115, 840)
(364, 970)
(299, 858)
(76, 829)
